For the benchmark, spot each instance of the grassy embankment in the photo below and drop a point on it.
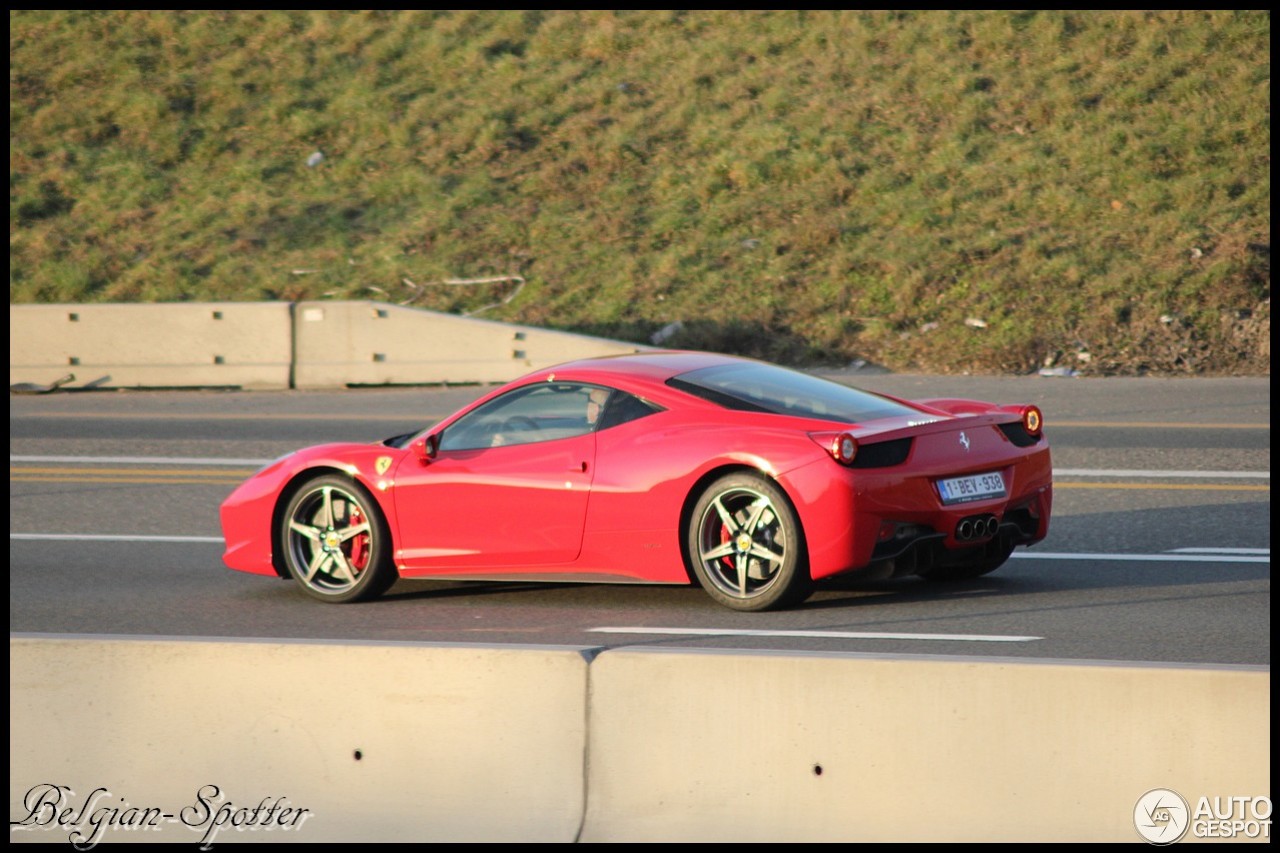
(988, 192)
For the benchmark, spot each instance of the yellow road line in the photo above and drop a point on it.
(156, 472)
(166, 482)
(187, 477)
(227, 416)
(424, 418)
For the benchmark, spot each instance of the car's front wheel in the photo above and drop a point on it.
(335, 542)
(746, 546)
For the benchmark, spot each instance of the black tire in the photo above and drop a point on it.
(335, 542)
(745, 545)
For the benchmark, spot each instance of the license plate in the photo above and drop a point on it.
(975, 487)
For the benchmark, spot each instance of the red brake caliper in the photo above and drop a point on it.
(725, 537)
(359, 556)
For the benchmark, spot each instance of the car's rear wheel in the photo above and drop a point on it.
(335, 542)
(746, 546)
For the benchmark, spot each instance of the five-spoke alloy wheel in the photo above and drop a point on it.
(335, 542)
(745, 545)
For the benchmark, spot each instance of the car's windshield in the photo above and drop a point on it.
(759, 387)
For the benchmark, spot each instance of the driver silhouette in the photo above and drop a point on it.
(596, 398)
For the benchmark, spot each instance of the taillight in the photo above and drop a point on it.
(1032, 420)
(842, 446)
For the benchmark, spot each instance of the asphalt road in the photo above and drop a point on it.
(1159, 548)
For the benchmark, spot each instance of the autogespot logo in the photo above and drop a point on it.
(1161, 816)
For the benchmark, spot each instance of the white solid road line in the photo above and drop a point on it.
(1181, 555)
(818, 635)
(1170, 557)
(1136, 472)
(1057, 472)
(1263, 551)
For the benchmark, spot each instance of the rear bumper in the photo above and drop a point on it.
(872, 516)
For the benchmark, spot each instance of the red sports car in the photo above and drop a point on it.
(663, 467)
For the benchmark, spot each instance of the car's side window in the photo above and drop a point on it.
(543, 412)
(624, 408)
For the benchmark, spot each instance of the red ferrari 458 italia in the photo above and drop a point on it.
(750, 479)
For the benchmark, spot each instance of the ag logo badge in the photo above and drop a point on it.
(382, 464)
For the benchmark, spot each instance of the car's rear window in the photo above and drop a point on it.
(759, 387)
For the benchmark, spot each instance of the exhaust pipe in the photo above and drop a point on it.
(977, 527)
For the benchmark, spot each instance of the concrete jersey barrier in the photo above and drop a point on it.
(370, 343)
(233, 739)
(375, 741)
(246, 345)
(277, 345)
(708, 745)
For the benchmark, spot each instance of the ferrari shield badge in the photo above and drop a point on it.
(382, 464)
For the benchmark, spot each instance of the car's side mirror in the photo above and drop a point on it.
(426, 448)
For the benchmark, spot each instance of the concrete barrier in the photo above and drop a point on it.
(377, 741)
(277, 345)
(233, 344)
(371, 343)
(400, 741)
(735, 746)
